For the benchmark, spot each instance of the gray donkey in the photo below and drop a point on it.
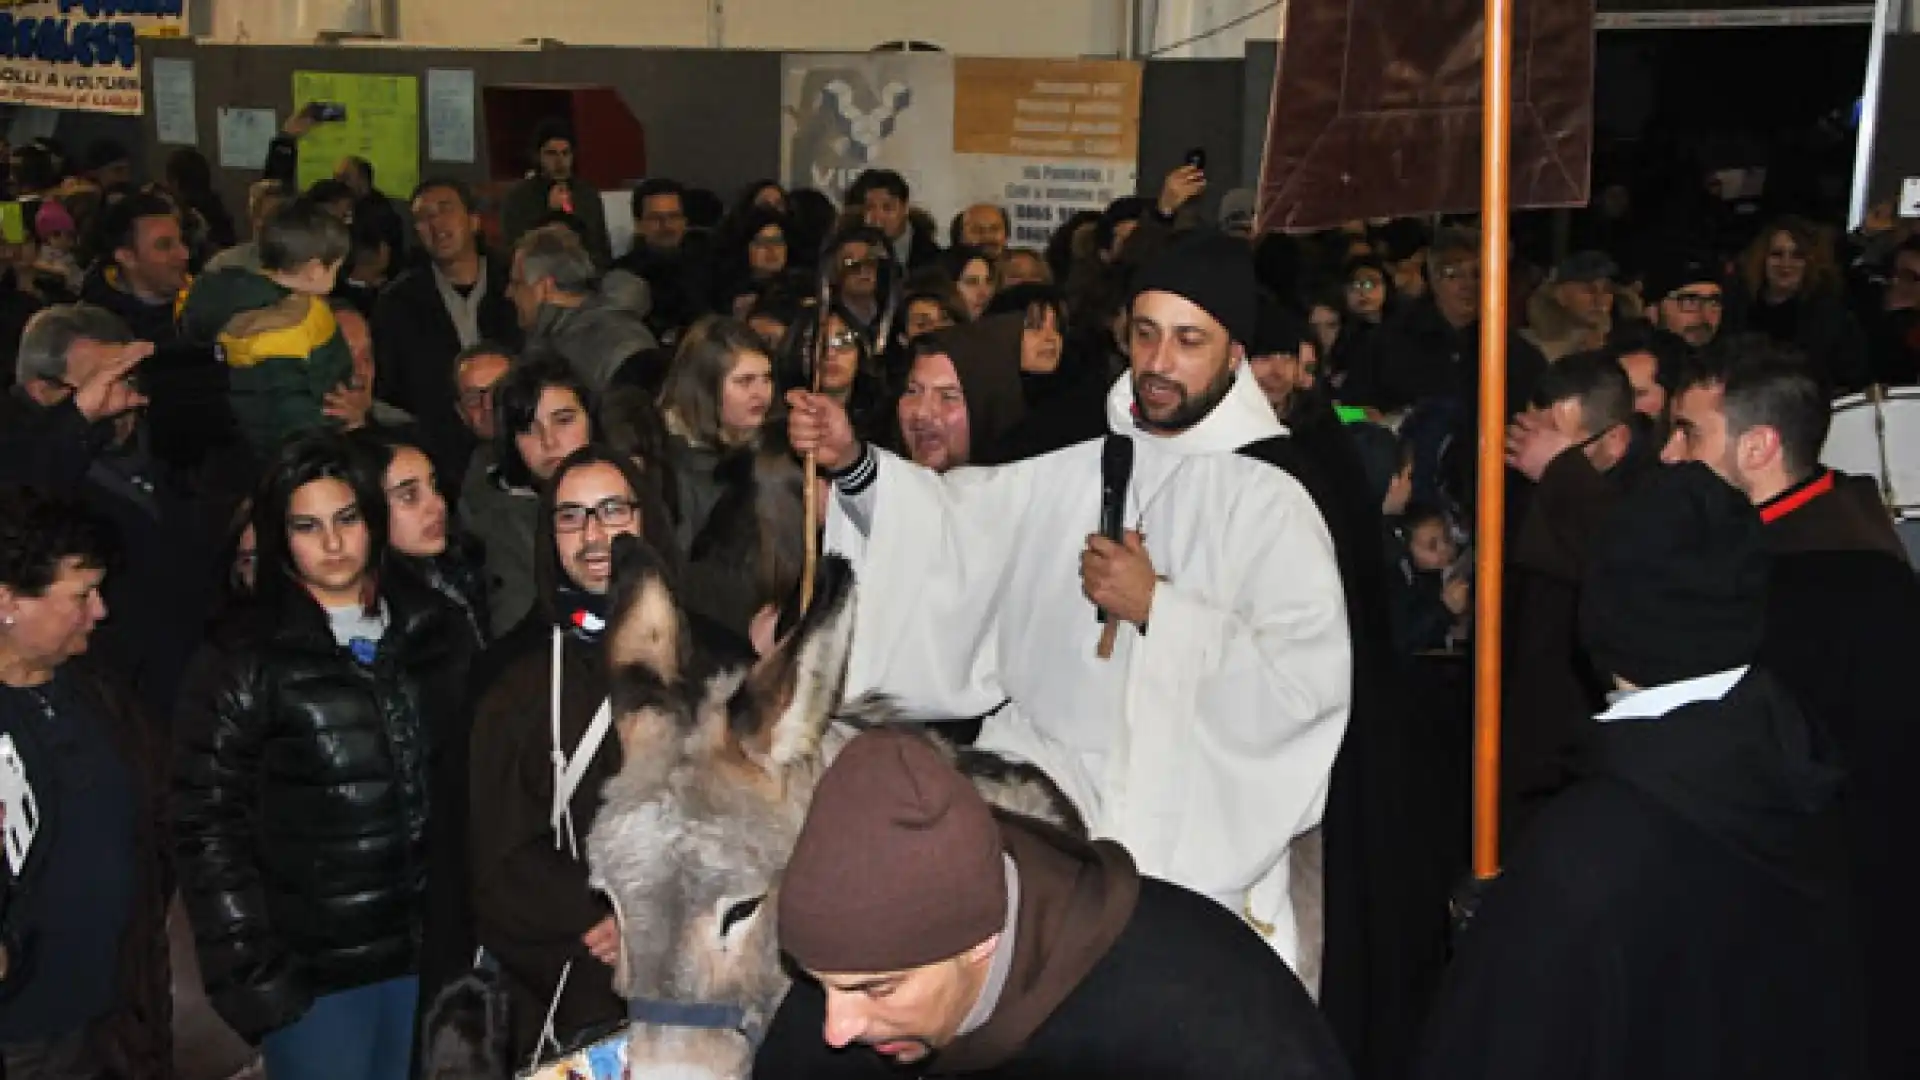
(720, 766)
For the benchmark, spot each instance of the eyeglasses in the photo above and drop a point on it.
(845, 339)
(774, 241)
(611, 513)
(864, 263)
(1693, 302)
(1363, 285)
(1459, 272)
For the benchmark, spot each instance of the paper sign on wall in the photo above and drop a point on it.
(173, 102)
(1910, 197)
(382, 125)
(244, 137)
(450, 115)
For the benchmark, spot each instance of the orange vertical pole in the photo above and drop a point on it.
(1489, 532)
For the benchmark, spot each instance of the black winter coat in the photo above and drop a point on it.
(1679, 914)
(414, 343)
(301, 800)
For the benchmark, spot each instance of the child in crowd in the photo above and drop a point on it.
(1428, 597)
(54, 225)
(1430, 594)
(274, 328)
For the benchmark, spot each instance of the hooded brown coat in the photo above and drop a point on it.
(1113, 975)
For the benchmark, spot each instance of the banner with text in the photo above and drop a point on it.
(1045, 138)
(1042, 138)
(80, 54)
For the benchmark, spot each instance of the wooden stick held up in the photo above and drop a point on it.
(811, 482)
(1107, 634)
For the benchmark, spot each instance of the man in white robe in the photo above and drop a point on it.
(1205, 743)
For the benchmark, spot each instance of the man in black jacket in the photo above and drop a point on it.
(1681, 911)
(1843, 628)
(430, 313)
(937, 935)
(1583, 447)
(72, 425)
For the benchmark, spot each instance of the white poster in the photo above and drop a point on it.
(845, 113)
(173, 102)
(244, 136)
(450, 115)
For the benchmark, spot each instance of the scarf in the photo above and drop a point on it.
(463, 310)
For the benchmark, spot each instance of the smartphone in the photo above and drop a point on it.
(1197, 158)
(327, 112)
(13, 222)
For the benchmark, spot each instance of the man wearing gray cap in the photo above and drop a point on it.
(935, 934)
(1196, 720)
(1573, 309)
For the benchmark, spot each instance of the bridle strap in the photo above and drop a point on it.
(699, 1015)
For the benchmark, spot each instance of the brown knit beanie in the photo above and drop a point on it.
(898, 866)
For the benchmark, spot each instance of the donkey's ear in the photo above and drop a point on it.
(789, 698)
(646, 630)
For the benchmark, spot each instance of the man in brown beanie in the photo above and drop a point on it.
(936, 933)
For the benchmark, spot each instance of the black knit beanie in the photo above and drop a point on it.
(1215, 272)
(1678, 585)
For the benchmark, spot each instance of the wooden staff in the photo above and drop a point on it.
(1496, 94)
(811, 565)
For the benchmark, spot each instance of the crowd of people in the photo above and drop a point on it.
(307, 542)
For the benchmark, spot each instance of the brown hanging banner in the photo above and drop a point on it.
(1377, 109)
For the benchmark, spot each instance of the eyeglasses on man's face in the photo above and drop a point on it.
(611, 513)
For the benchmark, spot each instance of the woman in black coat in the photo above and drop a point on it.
(306, 737)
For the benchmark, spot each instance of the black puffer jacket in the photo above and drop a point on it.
(301, 800)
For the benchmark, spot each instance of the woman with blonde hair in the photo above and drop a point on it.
(1791, 292)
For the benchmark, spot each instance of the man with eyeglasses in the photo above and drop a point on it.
(1584, 447)
(1684, 296)
(533, 909)
(675, 262)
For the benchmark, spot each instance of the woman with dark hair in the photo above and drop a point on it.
(306, 737)
(1063, 383)
(753, 255)
(974, 275)
(421, 539)
(852, 375)
(83, 961)
(1791, 292)
(718, 393)
(542, 412)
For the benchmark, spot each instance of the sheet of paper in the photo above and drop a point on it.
(244, 135)
(173, 101)
(382, 125)
(450, 115)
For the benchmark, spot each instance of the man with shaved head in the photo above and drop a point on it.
(1223, 665)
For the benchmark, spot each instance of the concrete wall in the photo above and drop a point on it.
(970, 27)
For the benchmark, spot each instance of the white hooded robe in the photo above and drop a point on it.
(1204, 745)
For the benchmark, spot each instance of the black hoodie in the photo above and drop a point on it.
(1679, 913)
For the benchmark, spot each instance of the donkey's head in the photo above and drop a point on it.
(694, 831)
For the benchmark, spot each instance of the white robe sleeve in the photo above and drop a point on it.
(1235, 714)
(931, 563)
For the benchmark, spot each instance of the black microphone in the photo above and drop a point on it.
(1116, 470)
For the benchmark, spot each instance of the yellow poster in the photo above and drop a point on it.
(382, 125)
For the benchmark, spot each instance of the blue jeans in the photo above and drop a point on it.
(361, 1034)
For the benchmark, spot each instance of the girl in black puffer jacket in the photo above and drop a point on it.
(306, 737)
